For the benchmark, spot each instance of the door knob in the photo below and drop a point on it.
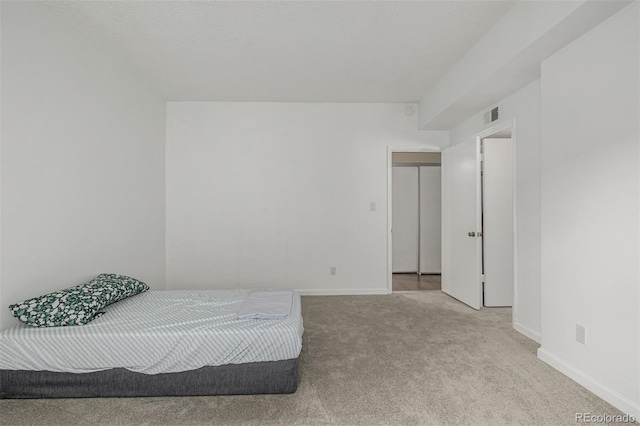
(471, 234)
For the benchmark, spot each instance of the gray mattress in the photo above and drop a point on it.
(232, 379)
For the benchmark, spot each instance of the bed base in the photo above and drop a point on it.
(231, 379)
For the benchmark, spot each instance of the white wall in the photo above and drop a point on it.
(524, 105)
(590, 210)
(82, 162)
(274, 194)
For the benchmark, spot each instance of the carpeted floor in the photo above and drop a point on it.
(415, 358)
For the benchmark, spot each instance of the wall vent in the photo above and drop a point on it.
(491, 116)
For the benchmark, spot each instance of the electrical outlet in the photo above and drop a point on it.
(372, 206)
(580, 334)
(333, 270)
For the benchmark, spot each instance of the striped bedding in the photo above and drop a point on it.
(157, 332)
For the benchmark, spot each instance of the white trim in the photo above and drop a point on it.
(527, 332)
(496, 128)
(612, 397)
(341, 291)
(390, 151)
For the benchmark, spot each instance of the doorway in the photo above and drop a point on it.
(413, 193)
(478, 219)
(497, 220)
(416, 221)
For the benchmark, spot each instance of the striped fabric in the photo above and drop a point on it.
(157, 332)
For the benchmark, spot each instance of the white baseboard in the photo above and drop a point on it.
(527, 332)
(620, 402)
(341, 291)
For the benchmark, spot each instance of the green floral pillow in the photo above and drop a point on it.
(77, 305)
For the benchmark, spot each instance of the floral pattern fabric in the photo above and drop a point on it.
(77, 305)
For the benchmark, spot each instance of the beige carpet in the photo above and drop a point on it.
(416, 359)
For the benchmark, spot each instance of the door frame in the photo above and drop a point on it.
(509, 123)
(390, 151)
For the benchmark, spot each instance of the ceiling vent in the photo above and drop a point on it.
(491, 116)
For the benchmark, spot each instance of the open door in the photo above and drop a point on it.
(461, 223)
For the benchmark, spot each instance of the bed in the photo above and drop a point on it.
(157, 343)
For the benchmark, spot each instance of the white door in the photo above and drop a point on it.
(430, 223)
(461, 221)
(405, 216)
(497, 232)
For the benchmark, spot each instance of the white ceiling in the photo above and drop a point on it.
(355, 51)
